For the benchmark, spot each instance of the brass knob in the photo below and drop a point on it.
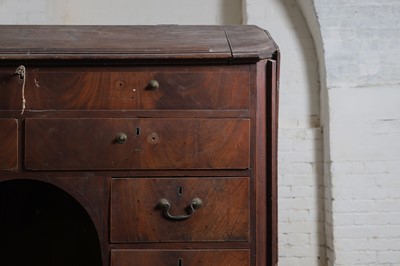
(121, 138)
(153, 84)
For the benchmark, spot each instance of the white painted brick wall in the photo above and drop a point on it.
(362, 55)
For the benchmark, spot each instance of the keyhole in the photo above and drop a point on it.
(180, 190)
(180, 262)
(138, 131)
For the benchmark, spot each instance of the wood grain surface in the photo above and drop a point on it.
(136, 217)
(176, 42)
(90, 144)
(79, 88)
(8, 144)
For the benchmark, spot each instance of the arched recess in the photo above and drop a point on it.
(42, 225)
(310, 14)
(305, 219)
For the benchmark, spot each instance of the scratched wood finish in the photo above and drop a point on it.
(172, 42)
(250, 42)
(10, 89)
(90, 144)
(237, 257)
(135, 216)
(8, 144)
(195, 88)
(215, 88)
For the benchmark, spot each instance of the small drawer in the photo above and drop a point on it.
(198, 88)
(8, 144)
(129, 88)
(107, 144)
(237, 257)
(179, 209)
(10, 89)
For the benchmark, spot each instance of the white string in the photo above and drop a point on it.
(21, 71)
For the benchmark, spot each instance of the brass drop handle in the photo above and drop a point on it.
(121, 138)
(153, 84)
(164, 204)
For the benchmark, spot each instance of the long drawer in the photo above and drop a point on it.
(129, 88)
(238, 257)
(8, 144)
(179, 209)
(101, 144)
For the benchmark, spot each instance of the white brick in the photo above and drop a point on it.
(302, 168)
(305, 251)
(294, 239)
(300, 180)
(301, 192)
(351, 181)
(391, 257)
(298, 216)
(299, 227)
(344, 219)
(289, 261)
(284, 192)
(355, 257)
(351, 206)
(388, 181)
(388, 205)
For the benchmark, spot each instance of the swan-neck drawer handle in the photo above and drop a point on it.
(164, 204)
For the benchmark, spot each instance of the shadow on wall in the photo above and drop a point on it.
(306, 54)
(301, 184)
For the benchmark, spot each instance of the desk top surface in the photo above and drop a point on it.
(171, 42)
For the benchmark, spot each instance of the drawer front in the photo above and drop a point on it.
(238, 257)
(213, 87)
(93, 144)
(137, 214)
(10, 90)
(8, 144)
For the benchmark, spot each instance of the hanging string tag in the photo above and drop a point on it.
(21, 72)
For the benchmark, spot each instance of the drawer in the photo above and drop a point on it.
(8, 144)
(239, 257)
(163, 143)
(215, 88)
(200, 209)
(80, 88)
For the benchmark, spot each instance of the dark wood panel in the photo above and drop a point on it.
(272, 164)
(250, 42)
(180, 257)
(194, 144)
(167, 39)
(216, 88)
(79, 88)
(177, 42)
(90, 144)
(8, 144)
(77, 144)
(10, 90)
(136, 216)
